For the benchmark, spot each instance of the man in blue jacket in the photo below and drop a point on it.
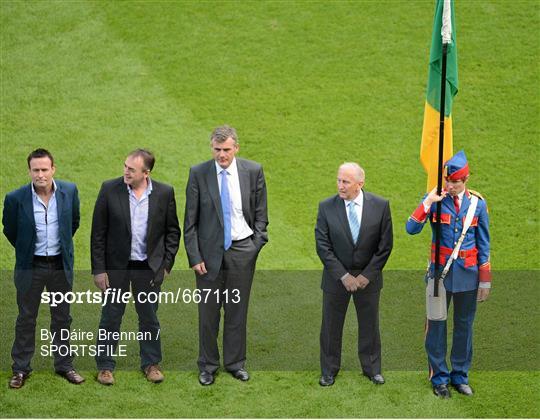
(40, 220)
(468, 280)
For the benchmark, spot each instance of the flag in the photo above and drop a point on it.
(429, 149)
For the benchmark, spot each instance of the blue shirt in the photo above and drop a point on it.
(138, 209)
(46, 220)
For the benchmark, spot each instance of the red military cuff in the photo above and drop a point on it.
(420, 214)
(484, 272)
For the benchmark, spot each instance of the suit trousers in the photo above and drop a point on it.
(46, 273)
(461, 354)
(230, 291)
(139, 276)
(369, 340)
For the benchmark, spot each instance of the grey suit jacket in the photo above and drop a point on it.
(340, 255)
(20, 229)
(203, 222)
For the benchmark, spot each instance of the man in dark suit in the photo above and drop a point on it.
(40, 220)
(224, 230)
(354, 240)
(135, 237)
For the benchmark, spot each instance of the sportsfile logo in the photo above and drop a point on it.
(113, 295)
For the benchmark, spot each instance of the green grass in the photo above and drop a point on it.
(273, 394)
(308, 85)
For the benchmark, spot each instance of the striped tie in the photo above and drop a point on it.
(353, 222)
(226, 207)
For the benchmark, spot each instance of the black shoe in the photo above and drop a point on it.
(441, 391)
(241, 375)
(326, 380)
(464, 389)
(206, 378)
(377, 379)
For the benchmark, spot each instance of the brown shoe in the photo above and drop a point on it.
(17, 380)
(105, 377)
(153, 374)
(72, 376)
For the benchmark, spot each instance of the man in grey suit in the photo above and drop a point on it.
(354, 240)
(224, 230)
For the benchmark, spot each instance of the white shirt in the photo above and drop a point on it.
(47, 225)
(138, 210)
(358, 206)
(239, 227)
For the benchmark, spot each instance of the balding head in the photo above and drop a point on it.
(359, 173)
(350, 180)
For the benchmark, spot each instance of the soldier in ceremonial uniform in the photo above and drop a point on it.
(469, 277)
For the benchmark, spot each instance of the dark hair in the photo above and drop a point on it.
(39, 153)
(222, 133)
(147, 157)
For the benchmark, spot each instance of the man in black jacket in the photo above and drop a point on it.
(135, 238)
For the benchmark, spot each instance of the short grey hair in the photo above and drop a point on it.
(222, 133)
(359, 172)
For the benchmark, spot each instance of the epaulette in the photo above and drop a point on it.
(476, 193)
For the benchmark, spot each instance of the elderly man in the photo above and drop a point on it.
(354, 240)
(225, 228)
(40, 220)
(469, 277)
(135, 238)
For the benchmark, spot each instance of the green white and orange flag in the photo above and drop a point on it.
(444, 30)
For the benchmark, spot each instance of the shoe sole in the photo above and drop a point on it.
(206, 384)
(463, 393)
(442, 397)
(105, 383)
(71, 382)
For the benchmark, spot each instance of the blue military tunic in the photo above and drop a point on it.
(473, 263)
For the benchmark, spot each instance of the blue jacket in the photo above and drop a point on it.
(20, 229)
(473, 264)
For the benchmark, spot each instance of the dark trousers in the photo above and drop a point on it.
(139, 276)
(46, 273)
(236, 273)
(369, 340)
(462, 350)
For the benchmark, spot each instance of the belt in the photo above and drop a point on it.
(242, 240)
(463, 253)
(138, 263)
(48, 258)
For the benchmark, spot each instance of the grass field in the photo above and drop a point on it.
(308, 85)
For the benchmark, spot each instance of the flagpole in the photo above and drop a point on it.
(439, 174)
(446, 37)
